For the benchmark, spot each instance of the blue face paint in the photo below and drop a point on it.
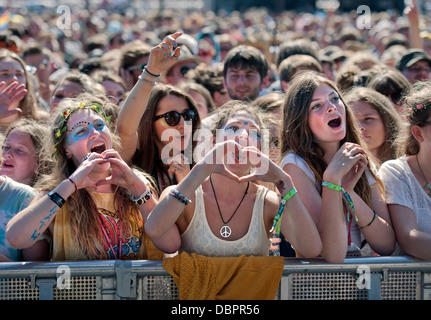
(236, 131)
(82, 129)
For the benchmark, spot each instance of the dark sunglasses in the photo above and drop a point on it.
(172, 118)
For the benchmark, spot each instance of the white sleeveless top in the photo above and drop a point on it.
(199, 238)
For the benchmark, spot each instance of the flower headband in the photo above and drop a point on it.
(413, 110)
(62, 128)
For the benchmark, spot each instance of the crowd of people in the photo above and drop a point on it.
(135, 137)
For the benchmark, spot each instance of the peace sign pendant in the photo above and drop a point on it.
(225, 231)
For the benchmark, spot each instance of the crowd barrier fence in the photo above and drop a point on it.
(371, 278)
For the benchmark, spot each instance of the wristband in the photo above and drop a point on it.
(145, 80)
(277, 217)
(374, 217)
(347, 197)
(56, 198)
(180, 197)
(143, 198)
(151, 74)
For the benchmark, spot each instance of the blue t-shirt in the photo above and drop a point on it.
(14, 197)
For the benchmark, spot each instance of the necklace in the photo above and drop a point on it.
(427, 186)
(225, 230)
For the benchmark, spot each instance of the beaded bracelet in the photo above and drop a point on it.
(346, 196)
(276, 224)
(180, 197)
(143, 198)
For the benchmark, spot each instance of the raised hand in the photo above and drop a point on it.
(222, 154)
(347, 165)
(264, 169)
(164, 55)
(81, 176)
(10, 94)
(121, 174)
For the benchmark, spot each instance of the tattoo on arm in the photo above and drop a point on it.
(44, 222)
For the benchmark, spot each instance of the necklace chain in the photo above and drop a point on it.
(427, 185)
(215, 197)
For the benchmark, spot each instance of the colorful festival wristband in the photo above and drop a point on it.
(276, 224)
(347, 197)
(180, 197)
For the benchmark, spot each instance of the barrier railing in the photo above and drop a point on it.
(373, 278)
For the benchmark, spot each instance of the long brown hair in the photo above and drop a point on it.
(296, 134)
(147, 155)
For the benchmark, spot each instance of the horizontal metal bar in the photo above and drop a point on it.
(107, 268)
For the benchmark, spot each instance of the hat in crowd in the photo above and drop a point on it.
(189, 41)
(410, 57)
(186, 55)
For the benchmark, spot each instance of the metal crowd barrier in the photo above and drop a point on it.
(372, 278)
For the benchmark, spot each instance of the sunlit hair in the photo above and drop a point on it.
(297, 136)
(37, 131)
(82, 208)
(418, 110)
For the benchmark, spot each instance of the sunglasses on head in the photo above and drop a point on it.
(172, 118)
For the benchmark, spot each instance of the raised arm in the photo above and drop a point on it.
(161, 58)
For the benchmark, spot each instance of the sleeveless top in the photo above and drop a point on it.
(199, 238)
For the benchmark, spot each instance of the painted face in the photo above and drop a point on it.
(87, 132)
(371, 125)
(19, 157)
(327, 115)
(243, 129)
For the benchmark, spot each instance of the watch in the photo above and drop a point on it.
(56, 198)
(143, 198)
